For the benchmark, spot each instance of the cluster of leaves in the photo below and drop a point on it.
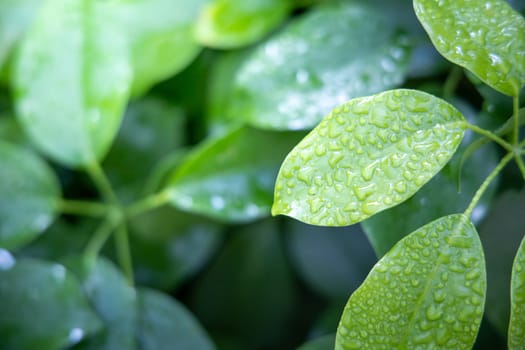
(163, 124)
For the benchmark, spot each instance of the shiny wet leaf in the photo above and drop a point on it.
(221, 178)
(484, 36)
(29, 192)
(43, 307)
(516, 338)
(427, 292)
(368, 155)
(327, 56)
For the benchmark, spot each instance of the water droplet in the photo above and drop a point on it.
(363, 192)
(433, 313)
(335, 158)
(76, 335)
(59, 272)
(217, 202)
(370, 208)
(7, 261)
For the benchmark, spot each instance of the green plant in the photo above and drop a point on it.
(148, 134)
(373, 153)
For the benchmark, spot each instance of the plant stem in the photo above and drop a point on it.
(102, 234)
(489, 134)
(124, 253)
(487, 182)
(85, 208)
(516, 114)
(148, 203)
(453, 79)
(101, 182)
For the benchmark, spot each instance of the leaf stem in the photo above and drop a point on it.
(102, 234)
(101, 182)
(487, 182)
(453, 79)
(84, 208)
(490, 135)
(516, 116)
(124, 252)
(148, 203)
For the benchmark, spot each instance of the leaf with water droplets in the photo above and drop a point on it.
(368, 155)
(516, 339)
(43, 307)
(428, 292)
(76, 45)
(29, 192)
(323, 58)
(484, 36)
(231, 177)
(231, 23)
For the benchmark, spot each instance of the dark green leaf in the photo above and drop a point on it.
(161, 37)
(484, 36)
(252, 288)
(166, 325)
(77, 45)
(231, 23)
(333, 261)
(517, 297)
(231, 177)
(28, 196)
(322, 343)
(428, 292)
(368, 155)
(439, 197)
(329, 55)
(113, 299)
(169, 246)
(43, 307)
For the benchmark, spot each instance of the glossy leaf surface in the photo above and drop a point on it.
(161, 38)
(328, 56)
(484, 36)
(516, 340)
(165, 325)
(220, 178)
(29, 192)
(428, 292)
(114, 300)
(232, 23)
(77, 45)
(440, 196)
(368, 155)
(43, 307)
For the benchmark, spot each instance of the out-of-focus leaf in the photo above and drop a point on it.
(328, 56)
(231, 23)
(28, 196)
(15, 17)
(164, 324)
(427, 292)
(169, 246)
(486, 37)
(516, 339)
(231, 177)
(440, 196)
(501, 234)
(43, 307)
(252, 284)
(12, 132)
(77, 46)
(333, 261)
(368, 155)
(161, 33)
(151, 129)
(113, 299)
(322, 343)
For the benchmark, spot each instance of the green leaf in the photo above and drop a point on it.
(230, 177)
(112, 298)
(29, 193)
(484, 36)
(15, 18)
(253, 290)
(516, 339)
(43, 307)
(368, 155)
(427, 292)
(230, 23)
(329, 55)
(321, 343)
(165, 325)
(161, 35)
(77, 45)
(439, 197)
(169, 246)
